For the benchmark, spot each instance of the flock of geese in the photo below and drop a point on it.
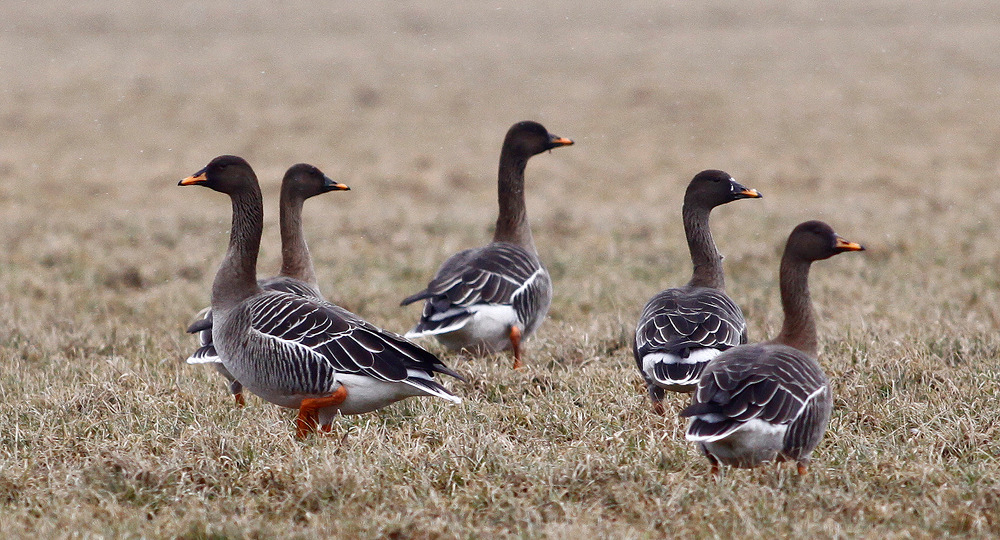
(282, 340)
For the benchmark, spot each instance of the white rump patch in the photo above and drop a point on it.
(697, 356)
(365, 394)
(753, 433)
(447, 314)
(488, 325)
(208, 359)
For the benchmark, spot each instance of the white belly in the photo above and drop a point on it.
(697, 356)
(488, 329)
(365, 394)
(754, 443)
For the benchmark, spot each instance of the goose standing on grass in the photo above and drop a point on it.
(297, 275)
(298, 351)
(489, 299)
(681, 329)
(771, 401)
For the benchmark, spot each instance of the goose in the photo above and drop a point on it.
(771, 401)
(296, 351)
(297, 275)
(490, 298)
(681, 329)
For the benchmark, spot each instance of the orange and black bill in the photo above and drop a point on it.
(844, 245)
(196, 178)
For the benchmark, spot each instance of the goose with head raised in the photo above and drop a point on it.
(490, 298)
(299, 351)
(681, 329)
(297, 275)
(771, 401)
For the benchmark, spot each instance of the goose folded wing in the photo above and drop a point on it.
(347, 343)
(673, 322)
(324, 334)
(756, 382)
(489, 275)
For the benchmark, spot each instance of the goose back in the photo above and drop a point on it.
(681, 329)
(767, 401)
(488, 298)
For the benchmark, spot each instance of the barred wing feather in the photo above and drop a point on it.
(770, 382)
(345, 342)
(499, 273)
(677, 321)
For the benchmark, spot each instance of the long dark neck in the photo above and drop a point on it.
(799, 328)
(704, 255)
(512, 221)
(295, 259)
(237, 276)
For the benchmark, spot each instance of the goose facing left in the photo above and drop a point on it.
(295, 351)
(297, 276)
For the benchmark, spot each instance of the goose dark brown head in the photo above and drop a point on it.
(815, 241)
(712, 188)
(304, 181)
(530, 138)
(225, 174)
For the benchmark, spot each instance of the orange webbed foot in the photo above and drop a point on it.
(308, 418)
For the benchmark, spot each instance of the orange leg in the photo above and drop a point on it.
(240, 402)
(515, 342)
(803, 469)
(309, 411)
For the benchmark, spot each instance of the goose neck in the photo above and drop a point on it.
(236, 279)
(512, 219)
(799, 327)
(704, 255)
(296, 261)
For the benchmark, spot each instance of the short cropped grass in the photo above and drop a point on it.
(879, 119)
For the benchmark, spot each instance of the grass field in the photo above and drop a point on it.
(881, 120)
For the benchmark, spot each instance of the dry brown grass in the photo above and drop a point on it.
(878, 119)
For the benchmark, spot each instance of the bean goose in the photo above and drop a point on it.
(490, 298)
(771, 401)
(297, 275)
(299, 351)
(681, 329)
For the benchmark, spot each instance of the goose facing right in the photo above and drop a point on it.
(771, 401)
(490, 298)
(682, 328)
(297, 276)
(297, 351)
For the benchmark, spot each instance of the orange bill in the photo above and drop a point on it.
(196, 178)
(844, 245)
